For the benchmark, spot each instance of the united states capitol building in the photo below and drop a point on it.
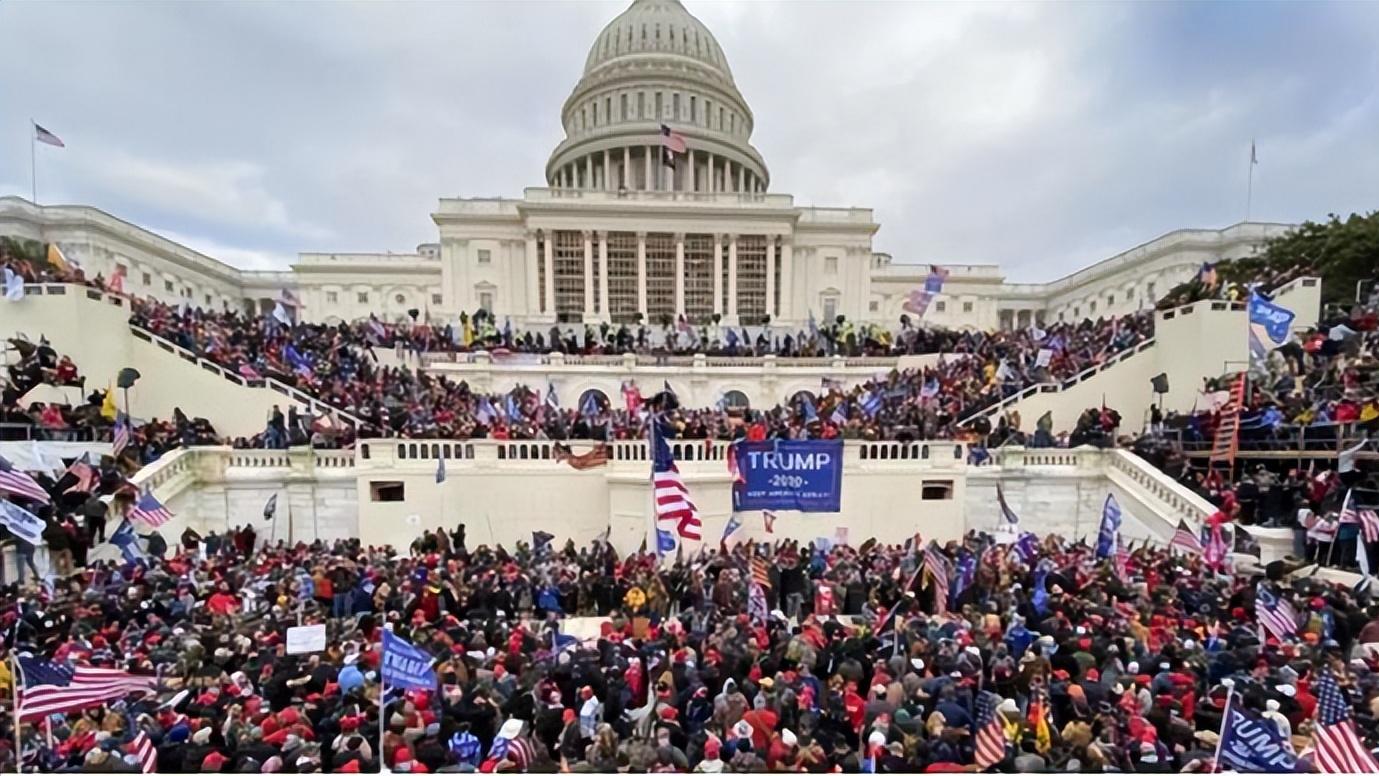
(616, 234)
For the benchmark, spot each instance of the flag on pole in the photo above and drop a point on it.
(990, 738)
(1254, 157)
(1006, 512)
(1339, 748)
(142, 749)
(672, 498)
(44, 136)
(21, 522)
(730, 528)
(56, 688)
(270, 507)
(440, 469)
(18, 483)
(405, 665)
(120, 437)
(1251, 744)
(768, 519)
(672, 143)
(761, 572)
(149, 510)
(1184, 539)
(552, 399)
(937, 567)
(1110, 528)
(128, 542)
(1275, 614)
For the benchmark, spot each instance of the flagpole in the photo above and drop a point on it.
(18, 672)
(1250, 182)
(1220, 738)
(33, 161)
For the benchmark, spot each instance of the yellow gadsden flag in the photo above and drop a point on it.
(108, 409)
(56, 260)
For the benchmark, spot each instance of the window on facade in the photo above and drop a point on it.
(873, 306)
(708, 112)
(1092, 307)
(485, 255)
(608, 110)
(659, 106)
(435, 299)
(363, 297)
(387, 490)
(936, 490)
(622, 276)
(622, 101)
(332, 297)
(486, 300)
(751, 277)
(660, 277)
(1149, 289)
(641, 105)
(675, 106)
(208, 300)
(400, 299)
(831, 265)
(720, 119)
(148, 279)
(583, 118)
(941, 306)
(830, 308)
(1060, 316)
(967, 307)
(1077, 312)
(732, 123)
(1110, 300)
(694, 114)
(167, 286)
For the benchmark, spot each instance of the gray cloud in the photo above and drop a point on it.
(1037, 136)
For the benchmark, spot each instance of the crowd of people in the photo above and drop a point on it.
(855, 659)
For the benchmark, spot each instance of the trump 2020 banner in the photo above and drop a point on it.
(805, 475)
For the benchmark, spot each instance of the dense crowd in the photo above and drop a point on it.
(31, 365)
(1082, 664)
(339, 365)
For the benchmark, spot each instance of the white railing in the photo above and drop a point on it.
(316, 406)
(1061, 385)
(633, 360)
(1171, 498)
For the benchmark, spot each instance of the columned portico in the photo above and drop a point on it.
(730, 315)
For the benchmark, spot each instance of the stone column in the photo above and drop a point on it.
(646, 173)
(589, 171)
(626, 167)
(607, 179)
(787, 273)
(550, 272)
(771, 277)
(717, 272)
(689, 181)
(588, 274)
(641, 274)
(731, 312)
(604, 308)
(679, 274)
(533, 298)
(713, 184)
(741, 178)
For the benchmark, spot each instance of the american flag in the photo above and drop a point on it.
(1184, 539)
(937, 566)
(519, 748)
(52, 688)
(19, 483)
(1365, 518)
(119, 440)
(756, 603)
(142, 748)
(671, 496)
(672, 141)
(84, 475)
(44, 136)
(1338, 747)
(1276, 615)
(149, 510)
(768, 519)
(990, 739)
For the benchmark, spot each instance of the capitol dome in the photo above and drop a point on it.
(653, 65)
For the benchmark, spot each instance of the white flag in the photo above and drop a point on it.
(280, 314)
(1044, 357)
(14, 285)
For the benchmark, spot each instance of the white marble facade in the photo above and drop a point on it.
(616, 234)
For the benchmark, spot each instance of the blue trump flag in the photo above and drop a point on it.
(125, 539)
(1269, 322)
(1110, 528)
(1250, 744)
(796, 474)
(406, 666)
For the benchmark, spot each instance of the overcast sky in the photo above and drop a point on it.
(1039, 136)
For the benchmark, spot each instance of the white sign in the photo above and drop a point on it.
(306, 638)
